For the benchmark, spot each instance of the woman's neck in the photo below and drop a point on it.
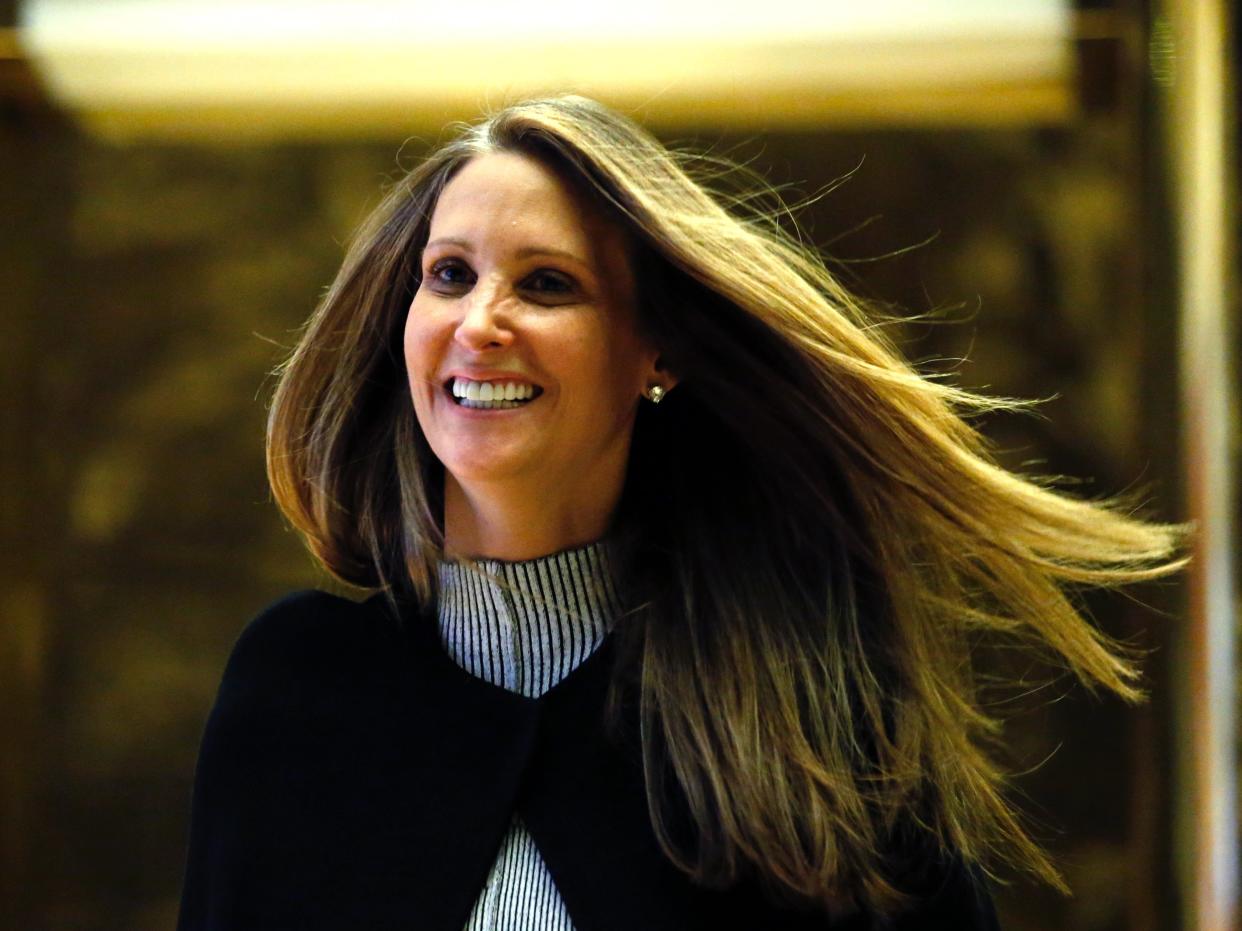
(494, 523)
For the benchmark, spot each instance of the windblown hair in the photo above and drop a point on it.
(812, 532)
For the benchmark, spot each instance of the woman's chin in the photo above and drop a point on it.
(484, 464)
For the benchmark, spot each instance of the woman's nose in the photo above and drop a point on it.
(484, 323)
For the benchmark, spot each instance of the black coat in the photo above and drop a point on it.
(351, 776)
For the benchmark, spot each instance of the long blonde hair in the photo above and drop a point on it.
(812, 532)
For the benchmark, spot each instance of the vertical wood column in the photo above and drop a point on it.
(33, 200)
(1191, 51)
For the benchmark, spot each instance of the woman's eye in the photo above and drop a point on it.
(450, 274)
(549, 282)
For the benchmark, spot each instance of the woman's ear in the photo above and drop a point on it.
(662, 375)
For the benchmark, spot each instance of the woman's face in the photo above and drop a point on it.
(523, 284)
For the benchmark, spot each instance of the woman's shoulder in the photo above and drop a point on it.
(308, 616)
(312, 638)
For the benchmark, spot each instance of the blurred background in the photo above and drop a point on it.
(1051, 183)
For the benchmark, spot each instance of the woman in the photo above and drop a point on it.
(676, 566)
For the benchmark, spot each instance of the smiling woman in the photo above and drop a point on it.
(677, 568)
(525, 283)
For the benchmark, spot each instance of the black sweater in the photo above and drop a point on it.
(351, 776)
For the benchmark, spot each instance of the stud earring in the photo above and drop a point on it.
(656, 394)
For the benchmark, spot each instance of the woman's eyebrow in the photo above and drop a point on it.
(523, 253)
(528, 251)
(450, 241)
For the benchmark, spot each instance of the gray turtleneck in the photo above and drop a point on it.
(525, 630)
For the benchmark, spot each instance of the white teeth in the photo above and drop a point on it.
(483, 391)
(506, 391)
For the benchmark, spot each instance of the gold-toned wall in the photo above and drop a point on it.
(149, 289)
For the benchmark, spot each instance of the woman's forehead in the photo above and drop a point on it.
(506, 193)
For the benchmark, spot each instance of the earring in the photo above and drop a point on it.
(656, 394)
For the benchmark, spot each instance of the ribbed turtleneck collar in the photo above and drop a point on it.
(524, 626)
